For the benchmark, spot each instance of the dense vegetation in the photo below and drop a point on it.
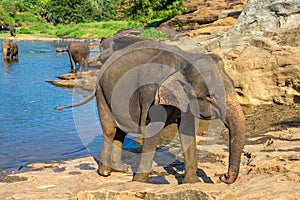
(84, 18)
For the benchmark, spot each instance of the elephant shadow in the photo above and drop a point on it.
(131, 155)
(179, 166)
(163, 158)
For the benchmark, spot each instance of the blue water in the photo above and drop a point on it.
(31, 130)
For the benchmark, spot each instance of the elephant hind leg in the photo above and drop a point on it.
(85, 62)
(109, 132)
(147, 156)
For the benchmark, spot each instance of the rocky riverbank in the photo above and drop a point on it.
(258, 42)
(261, 54)
(270, 170)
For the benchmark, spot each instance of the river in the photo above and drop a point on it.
(31, 129)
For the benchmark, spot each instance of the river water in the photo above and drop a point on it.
(31, 130)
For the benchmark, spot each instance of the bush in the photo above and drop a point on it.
(24, 31)
(5, 18)
(154, 34)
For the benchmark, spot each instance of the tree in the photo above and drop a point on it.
(66, 12)
(145, 10)
(5, 19)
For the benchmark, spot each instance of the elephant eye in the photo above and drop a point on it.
(210, 97)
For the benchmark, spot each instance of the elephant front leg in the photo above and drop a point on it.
(116, 154)
(188, 141)
(73, 63)
(148, 152)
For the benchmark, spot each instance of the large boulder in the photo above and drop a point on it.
(262, 52)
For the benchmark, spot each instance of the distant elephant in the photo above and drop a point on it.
(149, 85)
(122, 39)
(78, 52)
(9, 48)
(12, 30)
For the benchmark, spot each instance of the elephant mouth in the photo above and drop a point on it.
(204, 109)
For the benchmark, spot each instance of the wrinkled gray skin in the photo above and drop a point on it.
(178, 94)
(79, 52)
(12, 31)
(9, 48)
(120, 40)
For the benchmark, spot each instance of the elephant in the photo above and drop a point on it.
(122, 39)
(12, 30)
(149, 85)
(9, 48)
(78, 52)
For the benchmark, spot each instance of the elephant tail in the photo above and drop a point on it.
(88, 99)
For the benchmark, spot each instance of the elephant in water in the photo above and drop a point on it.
(78, 52)
(9, 48)
(12, 30)
(149, 85)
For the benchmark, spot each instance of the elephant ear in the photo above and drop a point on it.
(174, 91)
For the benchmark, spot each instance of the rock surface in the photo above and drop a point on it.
(262, 52)
(269, 170)
(258, 40)
(84, 80)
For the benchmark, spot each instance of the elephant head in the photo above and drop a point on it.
(9, 48)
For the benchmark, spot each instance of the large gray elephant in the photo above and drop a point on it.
(149, 85)
(9, 48)
(78, 52)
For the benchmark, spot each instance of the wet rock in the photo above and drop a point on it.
(85, 80)
(12, 179)
(39, 166)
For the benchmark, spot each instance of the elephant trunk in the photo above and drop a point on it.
(235, 122)
(4, 51)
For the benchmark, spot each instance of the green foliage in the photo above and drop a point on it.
(8, 6)
(108, 9)
(66, 12)
(5, 18)
(154, 34)
(26, 19)
(296, 105)
(94, 29)
(148, 11)
(86, 18)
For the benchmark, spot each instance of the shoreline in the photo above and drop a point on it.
(23, 37)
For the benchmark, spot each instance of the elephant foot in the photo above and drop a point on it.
(141, 177)
(228, 178)
(103, 170)
(120, 167)
(190, 179)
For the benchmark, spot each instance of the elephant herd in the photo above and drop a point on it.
(79, 52)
